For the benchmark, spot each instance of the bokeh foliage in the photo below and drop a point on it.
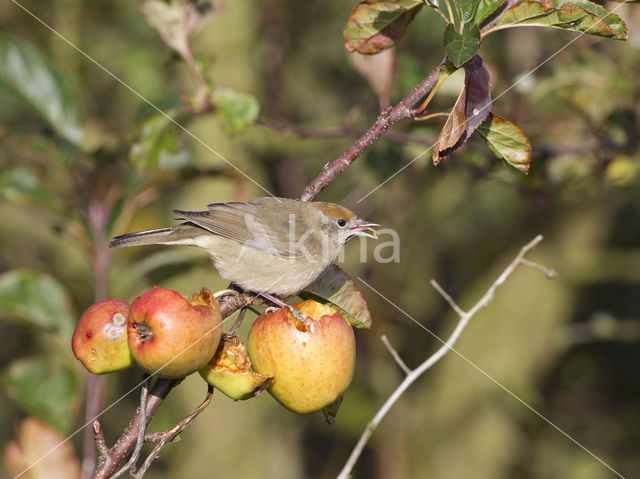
(76, 147)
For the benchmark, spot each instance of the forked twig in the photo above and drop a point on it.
(447, 345)
(172, 433)
(142, 427)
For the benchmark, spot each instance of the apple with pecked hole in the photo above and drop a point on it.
(171, 336)
(99, 341)
(311, 361)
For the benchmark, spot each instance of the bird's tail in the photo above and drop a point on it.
(161, 236)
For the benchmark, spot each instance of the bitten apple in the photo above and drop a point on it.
(170, 336)
(229, 370)
(312, 361)
(100, 338)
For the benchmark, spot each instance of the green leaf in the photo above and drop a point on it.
(37, 300)
(21, 186)
(41, 85)
(158, 146)
(507, 142)
(336, 288)
(461, 48)
(485, 8)
(45, 389)
(376, 25)
(579, 15)
(467, 9)
(237, 110)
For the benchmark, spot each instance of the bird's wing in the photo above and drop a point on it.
(242, 222)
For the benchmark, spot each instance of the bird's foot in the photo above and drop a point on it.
(282, 304)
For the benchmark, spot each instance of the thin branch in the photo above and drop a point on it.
(436, 356)
(101, 445)
(387, 118)
(172, 433)
(550, 273)
(459, 311)
(128, 439)
(156, 437)
(142, 427)
(395, 354)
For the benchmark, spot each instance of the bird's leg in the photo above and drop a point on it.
(282, 304)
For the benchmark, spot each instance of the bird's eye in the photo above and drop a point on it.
(342, 223)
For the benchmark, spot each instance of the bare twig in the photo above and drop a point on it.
(155, 437)
(395, 354)
(128, 439)
(436, 356)
(142, 427)
(101, 445)
(172, 433)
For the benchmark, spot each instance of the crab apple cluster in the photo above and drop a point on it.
(305, 365)
(162, 331)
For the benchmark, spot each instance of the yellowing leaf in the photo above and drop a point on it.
(507, 142)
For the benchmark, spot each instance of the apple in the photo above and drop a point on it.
(312, 361)
(171, 336)
(229, 371)
(99, 341)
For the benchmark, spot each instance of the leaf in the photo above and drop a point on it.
(478, 96)
(44, 389)
(20, 185)
(337, 289)
(158, 146)
(177, 21)
(579, 15)
(470, 110)
(379, 70)
(467, 9)
(37, 300)
(460, 48)
(376, 25)
(41, 85)
(45, 452)
(507, 141)
(237, 110)
(485, 8)
(452, 134)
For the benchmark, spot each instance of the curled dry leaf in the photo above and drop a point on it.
(43, 450)
(471, 108)
(177, 21)
(379, 71)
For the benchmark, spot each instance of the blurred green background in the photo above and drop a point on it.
(569, 348)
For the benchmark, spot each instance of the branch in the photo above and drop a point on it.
(172, 434)
(447, 345)
(128, 439)
(387, 118)
(142, 427)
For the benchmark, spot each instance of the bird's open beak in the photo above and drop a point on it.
(365, 229)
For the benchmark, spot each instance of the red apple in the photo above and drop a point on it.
(170, 336)
(312, 361)
(100, 338)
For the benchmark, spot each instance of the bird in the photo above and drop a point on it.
(270, 246)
